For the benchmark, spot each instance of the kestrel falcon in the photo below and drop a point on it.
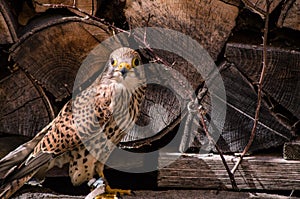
(86, 130)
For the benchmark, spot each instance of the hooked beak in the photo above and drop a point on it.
(124, 68)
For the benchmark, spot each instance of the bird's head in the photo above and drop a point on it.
(125, 63)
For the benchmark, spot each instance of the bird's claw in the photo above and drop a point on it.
(107, 193)
(113, 193)
(108, 196)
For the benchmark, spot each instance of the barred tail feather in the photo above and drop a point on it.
(20, 154)
(8, 189)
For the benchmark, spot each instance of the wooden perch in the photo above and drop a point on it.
(207, 172)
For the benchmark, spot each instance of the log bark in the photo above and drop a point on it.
(8, 24)
(52, 51)
(209, 22)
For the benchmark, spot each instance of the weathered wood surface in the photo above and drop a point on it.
(52, 52)
(240, 113)
(90, 6)
(208, 172)
(24, 109)
(8, 24)
(209, 22)
(290, 14)
(46, 196)
(168, 94)
(291, 150)
(160, 109)
(174, 194)
(241, 100)
(281, 81)
(260, 6)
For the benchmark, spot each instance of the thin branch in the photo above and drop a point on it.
(259, 91)
(230, 174)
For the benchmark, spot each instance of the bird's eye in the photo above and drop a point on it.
(113, 62)
(135, 62)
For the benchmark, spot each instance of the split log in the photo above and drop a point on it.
(290, 14)
(260, 6)
(8, 24)
(241, 101)
(24, 109)
(208, 172)
(281, 82)
(90, 6)
(209, 22)
(52, 49)
(241, 105)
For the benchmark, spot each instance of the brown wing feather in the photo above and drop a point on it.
(60, 136)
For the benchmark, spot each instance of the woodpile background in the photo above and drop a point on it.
(42, 47)
(43, 44)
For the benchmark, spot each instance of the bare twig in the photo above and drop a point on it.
(259, 91)
(230, 174)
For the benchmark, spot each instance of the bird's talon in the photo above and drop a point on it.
(118, 192)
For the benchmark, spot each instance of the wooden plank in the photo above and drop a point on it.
(158, 194)
(208, 172)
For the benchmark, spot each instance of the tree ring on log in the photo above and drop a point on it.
(51, 51)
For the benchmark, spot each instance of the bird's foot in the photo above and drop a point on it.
(120, 192)
(107, 196)
(102, 191)
(113, 193)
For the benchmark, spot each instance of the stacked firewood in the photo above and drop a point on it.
(43, 44)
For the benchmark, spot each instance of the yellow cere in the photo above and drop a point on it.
(124, 65)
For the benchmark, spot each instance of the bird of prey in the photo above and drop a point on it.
(86, 130)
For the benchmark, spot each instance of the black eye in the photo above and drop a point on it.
(135, 62)
(113, 62)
